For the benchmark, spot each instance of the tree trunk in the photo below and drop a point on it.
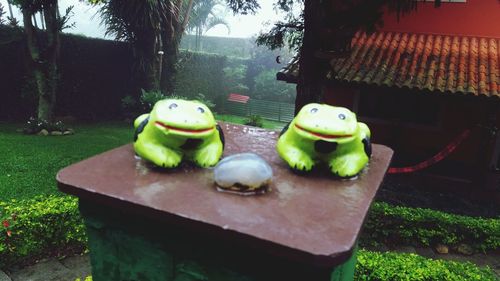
(170, 57)
(146, 48)
(43, 60)
(47, 101)
(171, 35)
(311, 70)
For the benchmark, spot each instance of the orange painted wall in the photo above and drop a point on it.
(475, 17)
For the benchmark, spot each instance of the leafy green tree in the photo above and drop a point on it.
(333, 20)
(233, 79)
(268, 88)
(261, 59)
(43, 59)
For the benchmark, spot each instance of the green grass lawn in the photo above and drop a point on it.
(28, 164)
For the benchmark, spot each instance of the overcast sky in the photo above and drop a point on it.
(87, 21)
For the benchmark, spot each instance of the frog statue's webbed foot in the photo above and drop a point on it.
(298, 160)
(159, 155)
(209, 155)
(349, 165)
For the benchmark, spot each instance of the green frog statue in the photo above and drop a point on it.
(178, 129)
(328, 134)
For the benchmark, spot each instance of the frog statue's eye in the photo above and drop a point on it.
(342, 116)
(313, 110)
(172, 106)
(200, 110)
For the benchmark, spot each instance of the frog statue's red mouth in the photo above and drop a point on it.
(190, 131)
(324, 136)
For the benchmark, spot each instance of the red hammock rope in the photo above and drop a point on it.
(452, 146)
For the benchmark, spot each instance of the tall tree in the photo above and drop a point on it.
(321, 25)
(43, 50)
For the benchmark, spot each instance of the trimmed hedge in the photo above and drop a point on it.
(200, 73)
(42, 224)
(38, 226)
(397, 266)
(425, 227)
(95, 75)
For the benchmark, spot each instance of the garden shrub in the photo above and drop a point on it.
(254, 120)
(398, 266)
(425, 227)
(149, 99)
(35, 125)
(39, 225)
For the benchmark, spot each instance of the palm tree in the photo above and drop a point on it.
(1, 14)
(139, 22)
(204, 18)
(152, 27)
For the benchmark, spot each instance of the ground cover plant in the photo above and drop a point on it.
(373, 266)
(396, 266)
(30, 227)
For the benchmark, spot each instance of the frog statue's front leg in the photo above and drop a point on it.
(158, 154)
(295, 157)
(209, 154)
(349, 161)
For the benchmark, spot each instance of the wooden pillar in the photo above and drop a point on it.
(491, 179)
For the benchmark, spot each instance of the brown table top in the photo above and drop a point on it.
(313, 217)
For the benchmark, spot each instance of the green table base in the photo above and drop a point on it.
(124, 247)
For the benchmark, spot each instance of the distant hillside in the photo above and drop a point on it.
(231, 47)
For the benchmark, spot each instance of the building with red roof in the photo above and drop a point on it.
(421, 81)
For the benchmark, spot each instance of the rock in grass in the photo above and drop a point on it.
(56, 133)
(68, 132)
(442, 249)
(245, 174)
(43, 132)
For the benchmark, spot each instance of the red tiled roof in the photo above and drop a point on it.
(238, 98)
(445, 63)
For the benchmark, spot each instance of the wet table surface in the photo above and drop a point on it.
(311, 217)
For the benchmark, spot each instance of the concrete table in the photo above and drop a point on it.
(148, 224)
